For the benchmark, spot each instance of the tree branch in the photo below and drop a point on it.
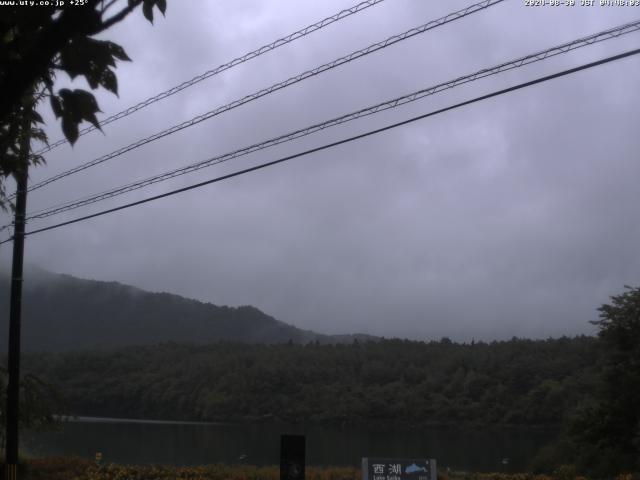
(119, 16)
(108, 6)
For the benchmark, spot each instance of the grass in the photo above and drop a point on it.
(75, 468)
(65, 468)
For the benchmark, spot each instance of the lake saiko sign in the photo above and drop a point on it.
(398, 469)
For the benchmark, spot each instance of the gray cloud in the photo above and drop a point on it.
(517, 216)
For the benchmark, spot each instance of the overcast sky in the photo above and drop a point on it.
(515, 216)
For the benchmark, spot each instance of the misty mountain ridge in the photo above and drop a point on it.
(62, 313)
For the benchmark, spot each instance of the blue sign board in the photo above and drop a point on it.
(398, 469)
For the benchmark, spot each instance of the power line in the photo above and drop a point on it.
(278, 86)
(389, 104)
(535, 57)
(343, 141)
(226, 66)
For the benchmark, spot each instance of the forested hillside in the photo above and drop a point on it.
(514, 382)
(64, 313)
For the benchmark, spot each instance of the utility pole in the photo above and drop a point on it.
(15, 310)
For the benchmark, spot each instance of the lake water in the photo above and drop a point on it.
(140, 442)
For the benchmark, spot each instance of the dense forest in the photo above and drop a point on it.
(107, 349)
(521, 382)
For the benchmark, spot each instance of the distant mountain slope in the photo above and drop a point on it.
(62, 312)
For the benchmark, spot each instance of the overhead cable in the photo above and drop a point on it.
(389, 104)
(278, 86)
(225, 66)
(343, 141)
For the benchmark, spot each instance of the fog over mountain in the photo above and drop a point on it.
(517, 216)
(63, 313)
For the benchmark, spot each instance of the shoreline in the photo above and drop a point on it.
(96, 419)
(372, 424)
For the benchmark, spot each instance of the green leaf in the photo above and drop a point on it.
(38, 134)
(70, 129)
(147, 10)
(48, 81)
(83, 54)
(93, 78)
(56, 106)
(36, 117)
(118, 52)
(162, 5)
(90, 58)
(64, 96)
(109, 81)
(87, 106)
(37, 159)
(77, 105)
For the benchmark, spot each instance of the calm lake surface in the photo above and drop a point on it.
(141, 442)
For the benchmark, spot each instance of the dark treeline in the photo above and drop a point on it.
(518, 382)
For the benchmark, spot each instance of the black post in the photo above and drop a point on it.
(15, 310)
(292, 457)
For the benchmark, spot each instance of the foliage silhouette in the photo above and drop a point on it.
(39, 41)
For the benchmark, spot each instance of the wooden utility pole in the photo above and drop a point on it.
(15, 310)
